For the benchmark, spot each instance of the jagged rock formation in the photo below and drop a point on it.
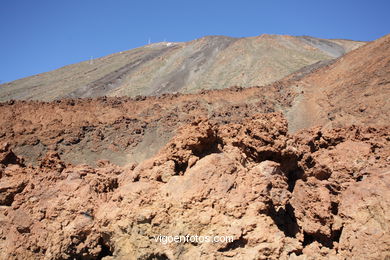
(212, 62)
(318, 194)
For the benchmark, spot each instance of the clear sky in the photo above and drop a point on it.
(42, 35)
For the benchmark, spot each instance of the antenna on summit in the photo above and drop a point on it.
(149, 41)
(91, 60)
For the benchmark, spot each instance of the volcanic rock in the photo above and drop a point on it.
(252, 181)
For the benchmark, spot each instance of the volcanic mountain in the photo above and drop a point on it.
(296, 169)
(212, 62)
(351, 90)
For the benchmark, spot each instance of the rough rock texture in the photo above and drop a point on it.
(317, 194)
(106, 178)
(352, 90)
(121, 130)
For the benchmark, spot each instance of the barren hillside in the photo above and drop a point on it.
(129, 130)
(212, 62)
(297, 169)
(355, 89)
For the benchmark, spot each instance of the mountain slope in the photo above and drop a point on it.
(353, 90)
(127, 130)
(212, 62)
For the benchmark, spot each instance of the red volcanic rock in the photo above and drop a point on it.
(7, 156)
(365, 221)
(107, 178)
(12, 182)
(318, 194)
(52, 161)
(311, 201)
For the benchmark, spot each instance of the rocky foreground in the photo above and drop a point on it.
(317, 194)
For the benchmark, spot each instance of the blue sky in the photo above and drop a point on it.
(42, 35)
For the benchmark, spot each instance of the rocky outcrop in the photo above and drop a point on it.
(318, 194)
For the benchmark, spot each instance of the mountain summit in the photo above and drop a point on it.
(211, 62)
